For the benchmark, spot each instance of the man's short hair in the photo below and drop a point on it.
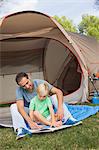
(19, 77)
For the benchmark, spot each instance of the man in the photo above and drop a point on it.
(24, 93)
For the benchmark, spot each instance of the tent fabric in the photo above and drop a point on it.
(79, 112)
(5, 117)
(37, 44)
(90, 50)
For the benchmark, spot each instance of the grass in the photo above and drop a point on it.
(5, 105)
(81, 137)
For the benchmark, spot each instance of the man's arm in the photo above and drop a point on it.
(20, 106)
(59, 94)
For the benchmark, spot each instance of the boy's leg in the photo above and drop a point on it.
(41, 119)
(17, 119)
(67, 114)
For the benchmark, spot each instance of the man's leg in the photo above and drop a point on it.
(17, 119)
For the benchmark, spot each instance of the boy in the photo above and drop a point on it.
(41, 109)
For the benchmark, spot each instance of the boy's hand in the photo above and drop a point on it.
(58, 123)
(34, 125)
(52, 124)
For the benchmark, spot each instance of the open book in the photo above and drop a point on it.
(45, 128)
(48, 129)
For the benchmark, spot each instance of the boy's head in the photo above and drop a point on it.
(42, 91)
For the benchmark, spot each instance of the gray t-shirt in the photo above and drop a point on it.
(23, 94)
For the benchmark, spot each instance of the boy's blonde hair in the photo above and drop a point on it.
(42, 89)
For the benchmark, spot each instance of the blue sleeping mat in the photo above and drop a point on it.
(81, 112)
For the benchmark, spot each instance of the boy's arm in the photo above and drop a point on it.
(54, 122)
(59, 94)
(52, 115)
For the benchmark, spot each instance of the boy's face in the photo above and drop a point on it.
(42, 97)
(26, 84)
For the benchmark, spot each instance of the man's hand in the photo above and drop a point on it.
(60, 114)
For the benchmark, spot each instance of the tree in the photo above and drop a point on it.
(3, 0)
(89, 26)
(97, 4)
(66, 23)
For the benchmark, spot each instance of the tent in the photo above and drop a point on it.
(37, 44)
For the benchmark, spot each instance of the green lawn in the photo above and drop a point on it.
(81, 137)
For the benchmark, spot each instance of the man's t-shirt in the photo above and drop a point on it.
(23, 94)
(42, 106)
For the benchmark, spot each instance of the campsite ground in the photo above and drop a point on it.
(81, 137)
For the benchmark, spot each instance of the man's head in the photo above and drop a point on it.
(23, 81)
(42, 91)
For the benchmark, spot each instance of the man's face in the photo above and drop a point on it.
(26, 84)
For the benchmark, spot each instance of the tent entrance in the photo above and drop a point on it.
(61, 67)
(70, 78)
